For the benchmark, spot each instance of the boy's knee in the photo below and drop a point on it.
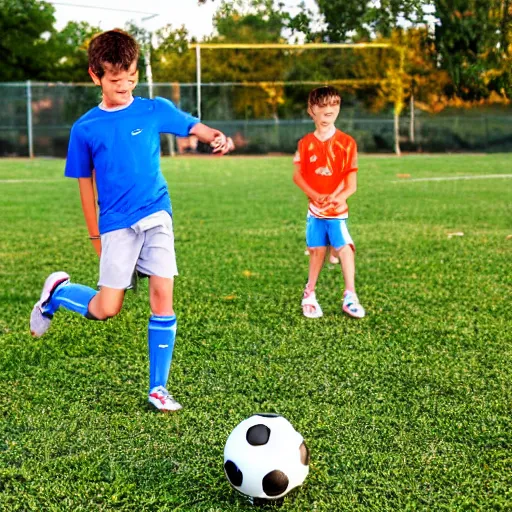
(106, 304)
(316, 251)
(161, 304)
(104, 311)
(348, 248)
(101, 316)
(111, 310)
(160, 299)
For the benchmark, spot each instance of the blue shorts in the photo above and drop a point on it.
(324, 232)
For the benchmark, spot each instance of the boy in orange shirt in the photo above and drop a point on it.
(326, 171)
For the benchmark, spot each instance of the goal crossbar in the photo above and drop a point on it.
(284, 46)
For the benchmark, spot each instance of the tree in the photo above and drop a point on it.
(172, 60)
(254, 21)
(356, 20)
(68, 50)
(25, 26)
(249, 21)
(498, 77)
(472, 39)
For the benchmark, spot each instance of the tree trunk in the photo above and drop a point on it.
(504, 27)
(397, 133)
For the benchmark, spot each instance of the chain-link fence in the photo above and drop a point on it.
(36, 118)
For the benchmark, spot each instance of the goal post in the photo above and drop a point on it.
(393, 80)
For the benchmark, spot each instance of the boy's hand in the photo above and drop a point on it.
(320, 199)
(337, 202)
(222, 144)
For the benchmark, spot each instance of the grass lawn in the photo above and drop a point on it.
(407, 409)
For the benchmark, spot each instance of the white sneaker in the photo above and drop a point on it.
(39, 320)
(162, 400)
(351, 305)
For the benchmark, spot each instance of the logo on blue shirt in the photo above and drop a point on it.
(137, 131)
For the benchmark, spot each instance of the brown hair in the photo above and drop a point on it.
(116, 47)
(322, 96)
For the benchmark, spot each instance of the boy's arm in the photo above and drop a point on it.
(88, 199)
(303, 185)
(346, 188)
(220, 143)
(173, 120)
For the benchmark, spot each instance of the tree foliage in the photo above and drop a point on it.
(356, 20)
(25, 26)
(68, 51)
(172, 60)
(467, 58)
(473, 43)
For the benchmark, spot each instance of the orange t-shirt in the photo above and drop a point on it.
(324, 165)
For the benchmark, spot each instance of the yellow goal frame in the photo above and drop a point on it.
(397, 84)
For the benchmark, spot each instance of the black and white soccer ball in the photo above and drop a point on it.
(265, 457)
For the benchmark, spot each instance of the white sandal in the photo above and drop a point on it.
(351, 305)
(310, 300)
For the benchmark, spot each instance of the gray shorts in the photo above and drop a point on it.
(147, 246)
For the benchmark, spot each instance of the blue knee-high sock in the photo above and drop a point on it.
(161, 336)
(75, 297)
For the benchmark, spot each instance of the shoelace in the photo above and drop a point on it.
(161, 392)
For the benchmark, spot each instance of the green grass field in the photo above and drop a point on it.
(407, 409)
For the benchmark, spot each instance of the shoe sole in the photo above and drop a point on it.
(51, 283)
(317, 314)
(154, 407)
(352, 315)
(163, 409)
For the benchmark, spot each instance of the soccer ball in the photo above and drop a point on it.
(265, 457)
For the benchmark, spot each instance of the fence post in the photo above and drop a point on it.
(411, 120)
(486, 127)
(198, 79)
(29, 121)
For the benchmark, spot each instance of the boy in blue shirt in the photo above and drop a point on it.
(117, 147)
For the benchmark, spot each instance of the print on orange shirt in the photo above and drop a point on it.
(324, 165)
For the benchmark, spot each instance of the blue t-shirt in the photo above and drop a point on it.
(123, 146)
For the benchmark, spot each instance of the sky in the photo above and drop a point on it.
(197, 19)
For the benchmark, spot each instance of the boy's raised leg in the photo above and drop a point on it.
(58, 291)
